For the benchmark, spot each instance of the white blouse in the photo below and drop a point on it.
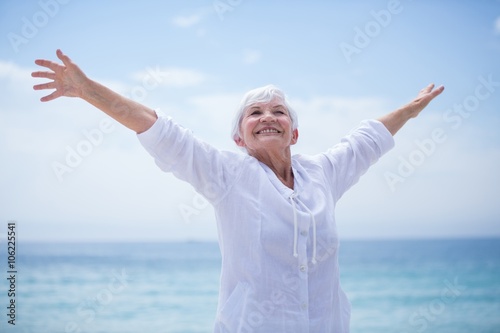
(279, 246)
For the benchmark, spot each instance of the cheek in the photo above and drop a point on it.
(246, 127)
(286, 124)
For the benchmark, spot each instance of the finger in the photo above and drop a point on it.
(428, 88)
(46, 75)
(50, 97)
(431, 95)
(49, 64)
(64, 58)
(48, 85)
(437, 91)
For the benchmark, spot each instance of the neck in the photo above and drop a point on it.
(279, 162)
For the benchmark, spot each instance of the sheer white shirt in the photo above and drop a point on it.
(279, 246)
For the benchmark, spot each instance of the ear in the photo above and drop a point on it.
(239, 142)
(295, 136)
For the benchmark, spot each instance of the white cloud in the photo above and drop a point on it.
(201, 32)
(187, 21)
(452, 193)
(213, 117)
(11, 71)
(118, 175)
(171, 76)
(323, 120)
(251, 57)
(497, 25)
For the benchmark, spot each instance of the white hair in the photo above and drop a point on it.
(261, 95)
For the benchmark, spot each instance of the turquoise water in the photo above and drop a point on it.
(394, 286)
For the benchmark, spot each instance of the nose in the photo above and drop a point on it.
(267, 116)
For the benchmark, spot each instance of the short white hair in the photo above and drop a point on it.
(263, 94)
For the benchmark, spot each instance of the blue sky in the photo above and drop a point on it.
(339, 61)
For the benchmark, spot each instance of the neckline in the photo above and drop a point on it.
(284, 190)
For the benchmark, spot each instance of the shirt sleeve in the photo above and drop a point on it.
(175, 149)
(347, 161)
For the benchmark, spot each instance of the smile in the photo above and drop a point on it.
(268, 130)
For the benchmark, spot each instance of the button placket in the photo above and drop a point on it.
(302, 267)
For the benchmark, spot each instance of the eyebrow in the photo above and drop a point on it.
(255, 107)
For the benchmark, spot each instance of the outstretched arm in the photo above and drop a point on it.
(69, 80)
(396, 119)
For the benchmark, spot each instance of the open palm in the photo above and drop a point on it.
(67, 79)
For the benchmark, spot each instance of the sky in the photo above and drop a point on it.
(69, 173)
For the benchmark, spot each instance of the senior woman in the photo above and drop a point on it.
(275, 212)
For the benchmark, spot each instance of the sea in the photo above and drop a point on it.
(395, 286)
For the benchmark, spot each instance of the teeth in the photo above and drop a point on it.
(268, 130)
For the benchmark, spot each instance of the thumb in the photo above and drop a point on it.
(438, 91)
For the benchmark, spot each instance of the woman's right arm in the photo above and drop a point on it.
(69, 80)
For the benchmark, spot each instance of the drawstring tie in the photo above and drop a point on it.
(296, 227)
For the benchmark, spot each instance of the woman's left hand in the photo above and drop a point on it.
(396, 119)
(424, 97)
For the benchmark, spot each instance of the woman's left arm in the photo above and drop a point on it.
(396, 119)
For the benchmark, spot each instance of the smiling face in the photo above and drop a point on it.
(266, 126)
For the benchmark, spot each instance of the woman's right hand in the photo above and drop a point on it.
(68, 79)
